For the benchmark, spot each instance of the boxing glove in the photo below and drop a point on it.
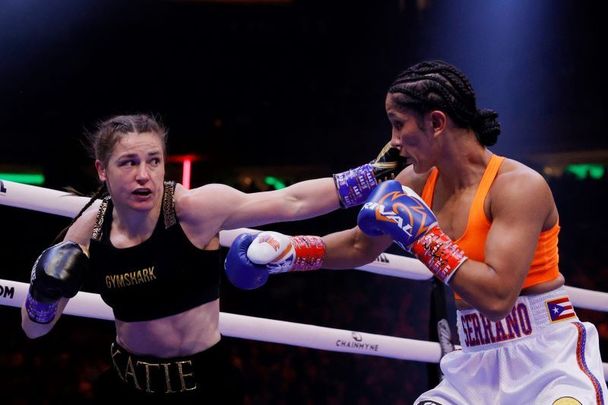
(58, 272)
(401, 213)
(252, 258)
(241, 271)
(355, 185)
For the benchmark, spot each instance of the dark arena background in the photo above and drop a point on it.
(265, 93)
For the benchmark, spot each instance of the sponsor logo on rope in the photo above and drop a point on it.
(7, 292)
(356, 342)
(383, 258)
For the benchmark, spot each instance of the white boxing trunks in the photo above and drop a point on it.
(539, 354)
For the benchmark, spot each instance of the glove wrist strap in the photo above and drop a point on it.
(310, 251)
(355, 185)
(439, 253)
(40, 312)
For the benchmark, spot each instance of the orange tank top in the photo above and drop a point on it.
(544, 265)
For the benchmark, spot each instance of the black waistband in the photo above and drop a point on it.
(167, 376)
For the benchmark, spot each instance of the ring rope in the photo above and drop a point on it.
(89, 305)
(267, 330)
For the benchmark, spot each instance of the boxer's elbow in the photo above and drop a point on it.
(495, 314)
(367, 249)
(498, 305)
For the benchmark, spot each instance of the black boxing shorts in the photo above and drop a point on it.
(205, 375)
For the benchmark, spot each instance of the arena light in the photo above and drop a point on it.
(274, 182)
(186, 161)
(586, 170)
(24, 178)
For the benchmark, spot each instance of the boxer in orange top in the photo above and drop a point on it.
(486, 226)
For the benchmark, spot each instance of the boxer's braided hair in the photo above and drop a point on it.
(101, 143)
(432, 85)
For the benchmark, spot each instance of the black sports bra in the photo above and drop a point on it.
(162, 276)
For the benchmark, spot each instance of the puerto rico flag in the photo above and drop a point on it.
(560, 309)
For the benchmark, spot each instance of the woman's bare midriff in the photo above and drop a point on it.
(533, 290)
(189, 332)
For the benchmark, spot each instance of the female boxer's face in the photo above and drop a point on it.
(135, 171)
(412, 135)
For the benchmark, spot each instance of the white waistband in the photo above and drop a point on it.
(529, 315)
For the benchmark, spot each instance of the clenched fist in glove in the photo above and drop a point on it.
(252, 258)
(58, 272)
(401, 213)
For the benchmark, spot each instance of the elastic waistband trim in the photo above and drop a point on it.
(155, 375)
(530, 314)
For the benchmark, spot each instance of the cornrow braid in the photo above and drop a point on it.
(438, 85)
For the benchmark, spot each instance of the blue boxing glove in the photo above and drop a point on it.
(355, 185)
(241, 271)
(392, 210)
(252, 258)
(401, 213)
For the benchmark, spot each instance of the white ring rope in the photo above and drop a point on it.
(84, 304)
(267, 330)
(88, 305)
(40, 199)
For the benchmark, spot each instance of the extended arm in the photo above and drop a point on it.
(302, 200)
(352, 248)
(228, 208)
(252, 258)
